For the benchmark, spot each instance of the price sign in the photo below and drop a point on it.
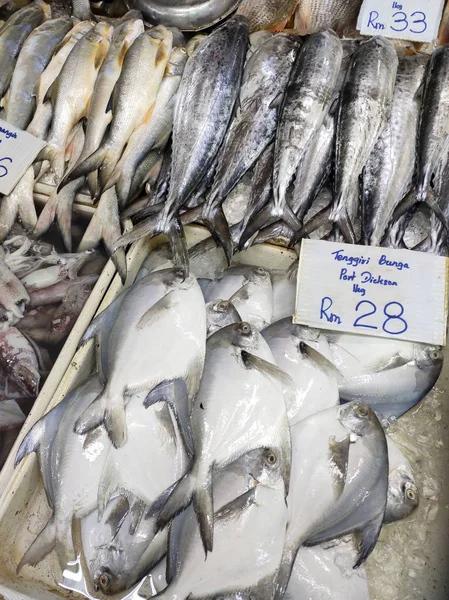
(373, 291)
(18, 149)
(414, 20)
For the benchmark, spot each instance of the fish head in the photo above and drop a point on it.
(403, 495)
(100, 38)
(259, 276)
(265, 467)
(220, 313)
(176, 62)
(359, 418)
(108, 570)
(240, 335)
(428, 356)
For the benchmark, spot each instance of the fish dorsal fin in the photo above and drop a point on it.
(234, 509)
(155, 312)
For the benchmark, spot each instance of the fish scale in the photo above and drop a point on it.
(316, 15)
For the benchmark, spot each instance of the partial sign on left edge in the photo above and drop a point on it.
(18, 149)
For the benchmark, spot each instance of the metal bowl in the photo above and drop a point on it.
(187, 15)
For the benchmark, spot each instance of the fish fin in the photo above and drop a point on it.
(290, 218)
(318, 220)
(266, 368)
(49, 94)
(174, 392)
(115, 422)
(64, 210)
(262, 219)
(235, 508)
(109, 483)
(203, 504)
(432, 203)
(155, 312)
(173, 559)
(161, 500)
(406, 204)
(179, 499)
(216, 222)
(178, 245)
(285, 571)
(150, 226)
(118, 514)
(92, 417)
(41, 547)
(64, 546)
(137, 511)
(94, 328)
(368, 539)
(322, 361)
(31, 442)
(91, 163)
(339, 456)
(345, 225)
(277, 101)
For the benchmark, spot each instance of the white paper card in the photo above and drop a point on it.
(414, 20)
(18, 149)
(373, 291)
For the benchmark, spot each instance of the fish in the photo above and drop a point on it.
(135, 548)
(364, 108)
(315, 378)
(339, 482)
(52, 71)
(164, 306)
(434, 122)
(17, 356)
(403, 493)
(284, 292)
(248, 536)
(12, 37)
(340, 15)
(71, 93)
(153, 133)
(438, 226)
(19, 202)
(388, 174)
(81, 9)
(204, 105)
(34, 56)
(227, 282)
(239, 366)
(263, 86)
(326, 573)
(220, 313)
(194, 42)
(267, 14)
(308, 99)
(99, 115)
(392, 392)
(61, 454)
(254, 299)
(145, 61)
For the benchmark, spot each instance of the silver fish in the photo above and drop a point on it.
(145, 61)
(163, 305)
(226, 424)
(434, 121)
(33, 58)
(392, 392)
(220, 313)
(264, 82)
(363, 112)
(403, 493)
(388, 174)
(315, 380)
(254, 299)
(339, 481)
(204, 105)
(12, 37)
(249, 527)
(70, 472)
(308, 99)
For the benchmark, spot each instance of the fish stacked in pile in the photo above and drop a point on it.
(217, 445)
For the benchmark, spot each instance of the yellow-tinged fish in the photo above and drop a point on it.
(72, 91)
(267, 14)
(317, 15)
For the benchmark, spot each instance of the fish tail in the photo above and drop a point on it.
(262, 219)
(319, 219)
(30, 442)
(92, 417)
(42, 545)
(180, 498)
(175, 233)
(343, 221)
(204, 509)
(56, 158)
(115, 422)
(284, 573)
(148, 227)
(215, 220)
(91, 163)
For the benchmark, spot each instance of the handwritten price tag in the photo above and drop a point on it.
(373, 291)
(414, 20)
(18, 149)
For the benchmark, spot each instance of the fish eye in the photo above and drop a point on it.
(222, 305)
(260, 271)
(245, 328)
(435, 355)
(104, 581)
(361, 411)
(410, 494)
(271, 458)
